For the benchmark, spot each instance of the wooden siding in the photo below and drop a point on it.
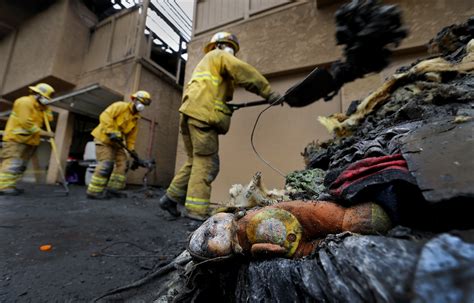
(213, 13)
(113, 40)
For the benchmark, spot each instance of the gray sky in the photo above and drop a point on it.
(187, 6)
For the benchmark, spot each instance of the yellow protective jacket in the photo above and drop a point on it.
(26, 120)
(118, 118)
(212, 86)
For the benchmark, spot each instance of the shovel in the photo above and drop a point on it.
(148, 164)
(318, 84)
(56, 156)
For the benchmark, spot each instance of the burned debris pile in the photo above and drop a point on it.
(407, 146)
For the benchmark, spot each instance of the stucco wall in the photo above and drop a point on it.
(52, 43)
(6, 49)
(37, 41)
(303, 35)
(161, 142)
(74, 41)
(118, 77)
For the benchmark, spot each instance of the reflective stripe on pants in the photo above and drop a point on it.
(192, 183)
(15, 158)
(116, 181)
(106, 154)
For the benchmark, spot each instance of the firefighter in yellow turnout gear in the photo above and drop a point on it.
(204, 116)
(22, 135)
(118, 126)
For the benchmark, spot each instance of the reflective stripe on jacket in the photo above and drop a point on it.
(26, 121)
(118, 118)
(212, 86)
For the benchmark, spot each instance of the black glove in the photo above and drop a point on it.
(133, 154)
(115, 137)
(275, 98)
(135, 164)
(149, 164)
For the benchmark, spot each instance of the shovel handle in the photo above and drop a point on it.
(55, 152)
(247, 104)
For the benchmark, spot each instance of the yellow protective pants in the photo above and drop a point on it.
(15, 159)
(192, 183)
(110, 171)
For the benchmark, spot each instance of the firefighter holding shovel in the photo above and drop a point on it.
(22, 135)
(117, 129)
(205, 114)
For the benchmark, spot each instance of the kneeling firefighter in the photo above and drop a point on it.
(117, 129)
(22, 135)
(205, 115)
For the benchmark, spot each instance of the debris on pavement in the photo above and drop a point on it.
(74, 270)
(46, 247)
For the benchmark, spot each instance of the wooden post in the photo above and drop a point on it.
(63, 137)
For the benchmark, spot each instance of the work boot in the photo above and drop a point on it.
(169, 205)
(99, 196)
(196, 217)
(116, 193)
(12, 192)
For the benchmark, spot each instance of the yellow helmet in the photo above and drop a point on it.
(142, 96)
(43, 89)
(222, 37)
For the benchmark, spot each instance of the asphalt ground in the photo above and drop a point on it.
(96, 245)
